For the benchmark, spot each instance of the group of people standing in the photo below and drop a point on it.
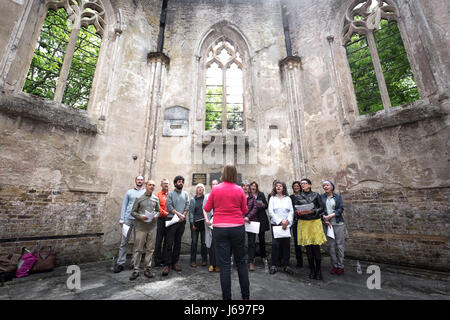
(219, 219)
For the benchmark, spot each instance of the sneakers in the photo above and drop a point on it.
(148, 273)
(288, 270)
(211, 268)
(165, 271)
(334, 270)
(251, 267)
(134, 275)
(273, 270)
(340, 271)
(118, 268)
(176, 267)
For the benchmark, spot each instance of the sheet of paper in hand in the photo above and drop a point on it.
(125, 229)
(304, 207)
(150, 215)
(330, 232)
(278, 232)
(252, 227)
(174, 220)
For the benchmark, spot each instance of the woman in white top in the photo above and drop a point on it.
(281, 214)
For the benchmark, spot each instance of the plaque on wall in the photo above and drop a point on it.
(176, 122)
(199, 178)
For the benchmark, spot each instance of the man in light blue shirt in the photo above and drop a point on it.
(128, 219)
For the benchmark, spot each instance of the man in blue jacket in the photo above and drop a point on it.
(126, 218)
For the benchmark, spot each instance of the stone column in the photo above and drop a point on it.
(158, 64)
(290, 68)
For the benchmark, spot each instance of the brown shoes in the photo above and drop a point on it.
(176, 267)
(148, 273)
(204, 264)
(193, 265)
(165, 271)
(134, 275)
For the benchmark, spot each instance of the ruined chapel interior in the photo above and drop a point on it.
(96, 92)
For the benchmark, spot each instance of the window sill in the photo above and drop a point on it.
(413, 112)
(40, 109)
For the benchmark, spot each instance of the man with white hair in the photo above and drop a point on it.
(126, 218)
(197, 222)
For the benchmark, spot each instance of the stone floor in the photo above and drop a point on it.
(99, 282)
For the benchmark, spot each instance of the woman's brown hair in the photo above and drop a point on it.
(256, 185)
(229, 174)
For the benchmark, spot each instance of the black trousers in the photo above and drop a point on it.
(281, 251)
(262, 244)
(298, 249)
(174, 233)
(194, 244)
(227, 240)
(251, 238)
(160, 237)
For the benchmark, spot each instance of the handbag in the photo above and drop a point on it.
(45, 260)
(26, 262)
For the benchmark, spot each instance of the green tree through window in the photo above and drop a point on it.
(224, 102)
(49, 71)
(379, 65)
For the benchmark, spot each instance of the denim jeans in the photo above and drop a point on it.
(123, 249)
(227, 240)
(337, 260)
(194, 244)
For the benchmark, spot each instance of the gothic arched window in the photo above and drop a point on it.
(224, 101)
(66, 53)
(379, 65)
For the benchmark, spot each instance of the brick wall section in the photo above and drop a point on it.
(402, 226)
(71, 222)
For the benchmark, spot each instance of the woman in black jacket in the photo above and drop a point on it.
(297, 188)
(310, 230)
(262, 217)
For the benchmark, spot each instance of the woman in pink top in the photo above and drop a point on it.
(230, 205)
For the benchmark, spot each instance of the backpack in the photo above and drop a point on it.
(26, 262)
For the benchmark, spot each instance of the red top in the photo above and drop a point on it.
(162, 196)
(229, 203)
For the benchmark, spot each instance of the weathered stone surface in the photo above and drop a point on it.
(37, 108)
(65, 172)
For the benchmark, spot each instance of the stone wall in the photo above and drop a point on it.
(391, 167)
(63, 172)
(80, 163)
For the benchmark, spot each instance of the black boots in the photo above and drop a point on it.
(318, 270)
(312, 274)
(315, 269)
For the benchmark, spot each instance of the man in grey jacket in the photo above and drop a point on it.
(177, 204)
